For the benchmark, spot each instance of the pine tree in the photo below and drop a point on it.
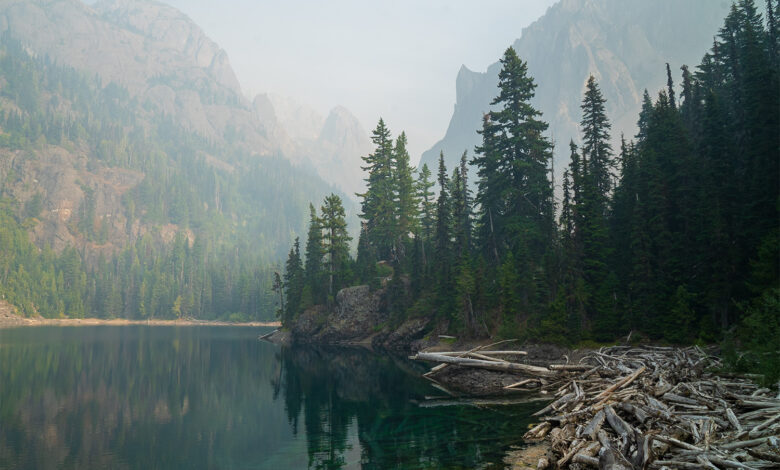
(365, 264)
(314, 254)
(514, 192)
(293, 283)
(593, 191)
(427, 211)
(335, 244)
(596, 149)
(378, 205)
(670, 87)
(462, 210)
(442, 235)
(405, 194)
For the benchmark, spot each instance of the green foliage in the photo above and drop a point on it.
(673, 239)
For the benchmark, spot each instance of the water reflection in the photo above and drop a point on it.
(359, 411)
(168, 397)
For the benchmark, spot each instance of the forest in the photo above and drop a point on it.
(233, 219)
(671, 237)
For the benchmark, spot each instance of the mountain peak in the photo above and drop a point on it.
(172, 31)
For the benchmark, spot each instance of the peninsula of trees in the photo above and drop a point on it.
(673, 236)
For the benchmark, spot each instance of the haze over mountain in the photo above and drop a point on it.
(624, 44)
(168, 63)
(177, 94)
(333, 145)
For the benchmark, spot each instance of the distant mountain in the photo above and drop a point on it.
(331, 146)
(171, 67)
(623, 43)
(154, 51)
(165, 142)
(338, 148)
(301, 122)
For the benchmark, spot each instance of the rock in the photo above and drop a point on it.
(353, 319)
(358, 317)
(403, 337)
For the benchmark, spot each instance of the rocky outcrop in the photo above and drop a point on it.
(623, 43)
(63, 179)
(358, 317)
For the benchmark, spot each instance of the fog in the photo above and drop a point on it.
(395, 59)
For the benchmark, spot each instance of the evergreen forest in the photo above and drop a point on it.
(672, 237)
(233, 213)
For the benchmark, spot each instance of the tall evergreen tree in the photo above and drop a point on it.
(514, 191)
(406, 197)
(314, 255)
(427, 210)
(378, 205)
(293, 283)
(335, 243)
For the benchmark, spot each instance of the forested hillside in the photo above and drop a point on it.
(673, 236)
(130, 214)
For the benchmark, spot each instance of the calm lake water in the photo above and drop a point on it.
(163, 397)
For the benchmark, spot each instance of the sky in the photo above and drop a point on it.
(395, 59)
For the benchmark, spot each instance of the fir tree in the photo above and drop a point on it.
(314, 254)
(293, 283)
(378, 205)
(335, 244)
(514, 192)
(406, 197)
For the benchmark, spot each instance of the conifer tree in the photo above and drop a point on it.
(514, 191)
(442, 236)
(405, 194)
(293, 283)
(427, 210)
(365, 264)
(335, 243)
(378, 205)
(314, 254)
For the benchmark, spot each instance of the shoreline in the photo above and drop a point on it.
(27, 322)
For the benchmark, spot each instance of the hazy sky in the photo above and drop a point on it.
(396, 59)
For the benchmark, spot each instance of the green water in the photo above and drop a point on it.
(217, 398)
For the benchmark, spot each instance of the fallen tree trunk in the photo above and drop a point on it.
(489, 365)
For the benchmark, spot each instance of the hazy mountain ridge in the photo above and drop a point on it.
(171, 67)
(623, 43)
(332, 146)
(161, 57)
(174, 147)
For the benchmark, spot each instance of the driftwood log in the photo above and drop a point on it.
(643, 408)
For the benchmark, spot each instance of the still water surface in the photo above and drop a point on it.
(148, 397)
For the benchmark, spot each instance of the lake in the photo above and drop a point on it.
(168, 397)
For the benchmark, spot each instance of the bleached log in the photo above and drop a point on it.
(481, 364)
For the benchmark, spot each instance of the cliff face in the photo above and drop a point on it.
(156, 52)
(623, 43)
(172, 68)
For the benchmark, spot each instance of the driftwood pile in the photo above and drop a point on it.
(640, 408)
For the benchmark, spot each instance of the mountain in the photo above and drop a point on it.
(157, 53)
(331, 146)
(122, 122)
(171, 67)
(135, 178)
(623, 43)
